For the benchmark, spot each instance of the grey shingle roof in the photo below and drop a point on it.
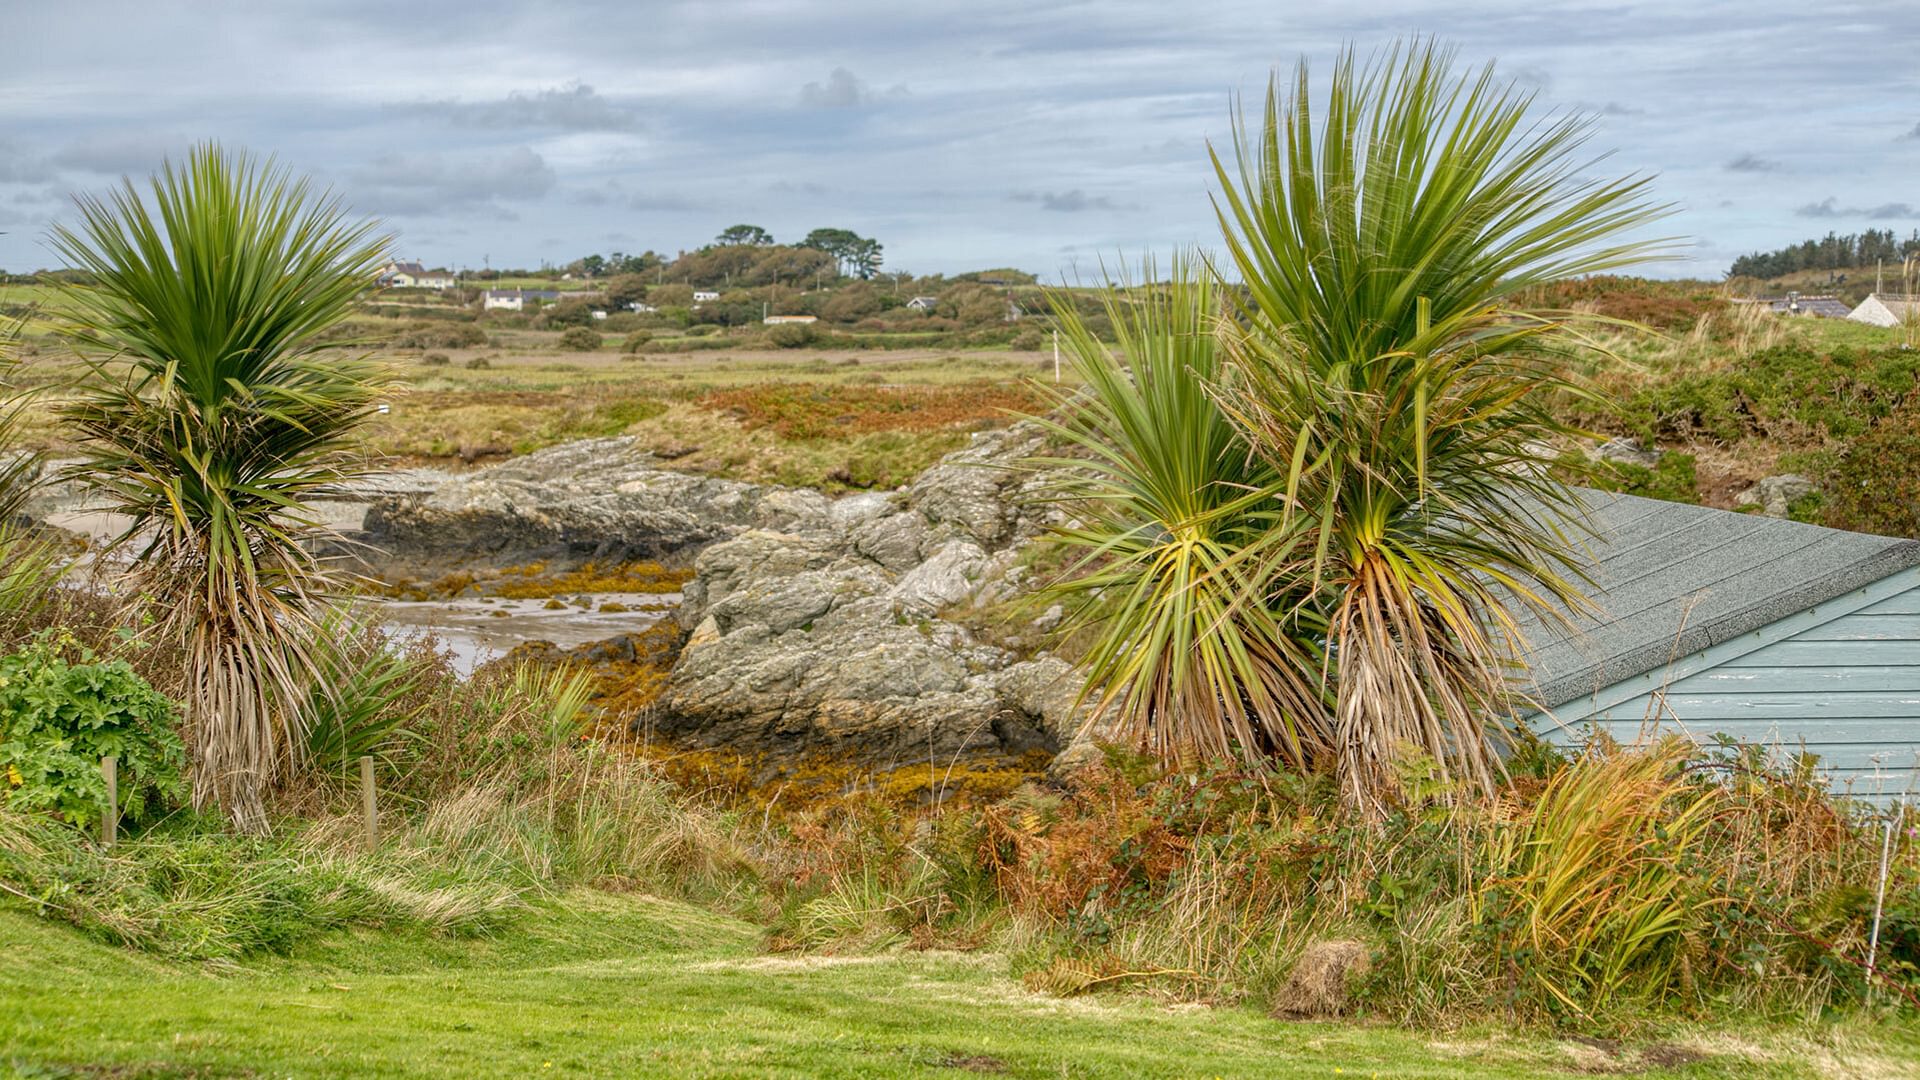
(1672, 579)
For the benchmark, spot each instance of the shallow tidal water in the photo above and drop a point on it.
(476, 630)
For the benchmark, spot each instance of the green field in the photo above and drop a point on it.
(601, 985)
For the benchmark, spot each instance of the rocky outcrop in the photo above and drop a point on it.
(596, 499)
(827, 639)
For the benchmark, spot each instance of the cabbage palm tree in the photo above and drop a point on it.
(1168, 508)
(1379, 366)
(211, 419)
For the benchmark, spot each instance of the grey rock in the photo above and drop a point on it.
(944, 579)
(892, 541)
(594, 499)
(829, 642)
(849, 512)
(970, 492)
(1774, 494)
(1626, 451)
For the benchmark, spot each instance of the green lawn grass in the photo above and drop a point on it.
(599, 985)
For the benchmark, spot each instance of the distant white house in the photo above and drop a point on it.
(923, 303)
(701, 296)
(515, 299)
(785, 320)
(1887, 309)
(642, 308)
(597, 313)
(411, 275)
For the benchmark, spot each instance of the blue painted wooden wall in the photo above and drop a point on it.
(1841, 680)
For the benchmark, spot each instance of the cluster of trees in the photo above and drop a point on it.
(748, 255)
(1830, 252)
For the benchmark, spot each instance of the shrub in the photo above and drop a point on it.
(61, 711)
(572, 312)
(1672, 479)
(790, 335)
(636, 341)
(1874, 483)
(580, 339)
(1028, 340)
(478, 363)
(1787, 392)
(443, 336)
(435, 359)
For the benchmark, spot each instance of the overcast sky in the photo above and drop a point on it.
(962, 135)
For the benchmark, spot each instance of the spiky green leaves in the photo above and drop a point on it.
(1311, 512)
(211, 418)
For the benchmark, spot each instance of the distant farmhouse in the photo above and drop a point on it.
(786, 320)
(923, 303)
(1819, 307)
(701, 296)
(516, 299)
(411, 275)
(1887, 309)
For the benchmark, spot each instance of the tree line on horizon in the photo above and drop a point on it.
(1830, 252)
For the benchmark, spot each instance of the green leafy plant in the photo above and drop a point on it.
(1381, 366)
(61, 711)
(1191, 649)
(1873, 483)
(355, 706)
(210, 417)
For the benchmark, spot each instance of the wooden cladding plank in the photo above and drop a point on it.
(1906, 603)
(1860, 653)
(1783, 679)
(1857, 704)
(1864, 627)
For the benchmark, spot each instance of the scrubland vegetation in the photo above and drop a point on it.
(1337, 854)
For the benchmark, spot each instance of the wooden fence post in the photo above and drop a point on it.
(110, 820)
(367, 805)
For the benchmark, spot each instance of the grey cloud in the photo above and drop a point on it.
(432, 183)
(1068, 202)
(615, 194)
(1751, 163)
(116, 152)
(843, 90)
(1912, 135)
(1830, 208)
(18, 166)
(569, 108)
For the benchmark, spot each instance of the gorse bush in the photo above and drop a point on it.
(580, 339)
(1873, 484)
(62, 710)
(440, 336)
(1787, 392)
